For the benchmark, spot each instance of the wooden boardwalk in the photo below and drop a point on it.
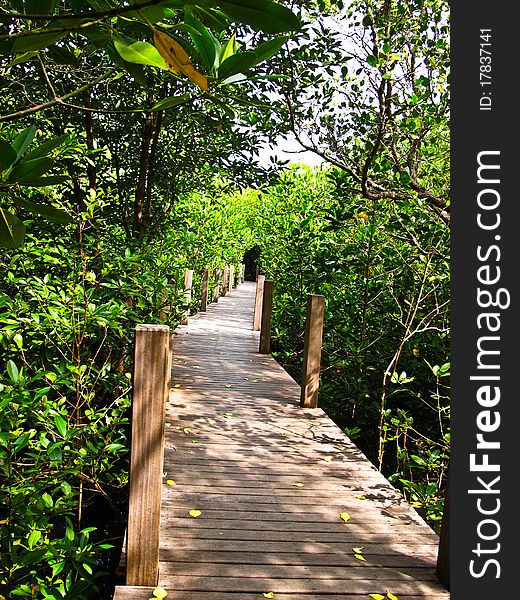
(270, 480)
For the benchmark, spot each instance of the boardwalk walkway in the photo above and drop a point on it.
(271, 480)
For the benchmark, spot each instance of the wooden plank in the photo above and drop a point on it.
(312, 351)
(151, 388)
(259, 296)
(204, 291)
(267, 317)
(141, 593)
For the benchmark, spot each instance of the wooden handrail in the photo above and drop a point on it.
(443, 556)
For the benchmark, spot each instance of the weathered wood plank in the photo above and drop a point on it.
(151, 383)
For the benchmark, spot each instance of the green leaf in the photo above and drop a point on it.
(53, 214)
(12, 371)
(12, 230)
(61, 425)
(141, 53)
(263, 15)
(23, 58)
(205, 43)
(7, 155)
(36, 41)
(238, 63)
(34, 538)
(268, 49)
(47, 181)
(23, 139)
(170, 102)
(63, 56)
(47, 147)
(40, 7)
(372, 60)
(229, 49)
(30, 169)
(213, 18)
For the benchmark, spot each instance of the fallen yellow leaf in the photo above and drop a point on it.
(361, 497)
(358, 550)
(377, 596)
(195, 513)
(345, 516)
(159, 592)
(170, 482)
(391, 596)
(186, 431)
(298, 484)
(177, 59)
(360, 557)
(327, 458)
(269, 595)
(228, 385)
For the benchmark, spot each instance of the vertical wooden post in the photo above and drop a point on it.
(257, 272)
(151, 387)
(216, 289)
(188, 280)
(204, 292)
(243, 273)
(231, 278)
(258, 302)
(225, 281)
(443, 556)
(267, 317)
(312, 351)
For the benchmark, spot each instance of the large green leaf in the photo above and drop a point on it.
(23, 139)
(262, 14)
(205, 42)
(268, 49)
(40, 7)
(53, 214)
(141, 53)
(36, 41)
(50, 180)
(170, 102)
(238, 63)
(47, 147)
(30, 169)
(7, 155)
(12, 230)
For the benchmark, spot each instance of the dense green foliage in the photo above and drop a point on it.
(119, 170)
(383, 269)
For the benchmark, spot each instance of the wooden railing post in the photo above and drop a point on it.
(188, 280)
(225, 281)
(204, 292)
(258, 302)
(216, 289)
(150, 393)
(443, 556)
(257, 274)
(267, 317)
(312, 351)
(231, 278)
